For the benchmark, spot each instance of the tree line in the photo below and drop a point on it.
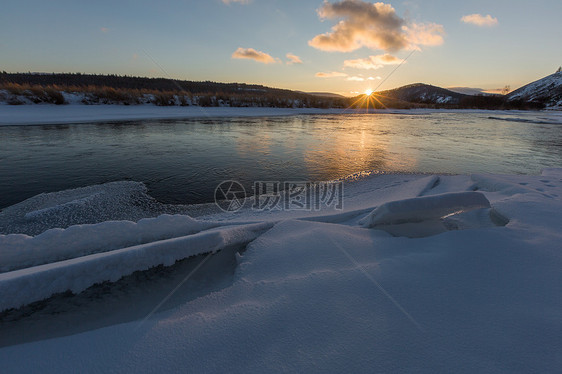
(129, 90)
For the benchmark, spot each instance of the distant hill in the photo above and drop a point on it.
(28, 88)
(34, 88)
(325, 94)
(423, 94)
(466, 90)
(134, 83)
(546, 91)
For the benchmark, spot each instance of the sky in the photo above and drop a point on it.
(340, 46)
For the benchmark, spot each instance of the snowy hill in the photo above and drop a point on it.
(547, 90)
(423, 93)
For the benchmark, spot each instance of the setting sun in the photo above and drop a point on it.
(368, 92)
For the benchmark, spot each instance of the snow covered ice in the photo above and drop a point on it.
(424, 208)
(26, 115)
(417, 274)
(76, 113)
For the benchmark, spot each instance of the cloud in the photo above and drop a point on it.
(228, 2)
(480, 20)
(293, 59)
(355, 79)
(252, 54)
(375, 26)
(430, 34)
(372, 62)
(334, 74)
(374, 78)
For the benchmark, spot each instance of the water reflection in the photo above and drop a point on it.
(340, 151)
(183, 161)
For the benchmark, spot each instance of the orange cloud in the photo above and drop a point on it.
(355, 79)
(429, 34)
(252, 54)
(375, 26)
(293, 59)
(334, 74)
(372, 62)
(480, 20)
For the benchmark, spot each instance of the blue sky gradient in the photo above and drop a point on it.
(196, 39)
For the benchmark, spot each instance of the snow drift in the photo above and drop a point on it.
(328, 295)
(79, 273)
(21, 251)
(424, 208)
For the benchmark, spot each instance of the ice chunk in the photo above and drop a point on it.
(494, 183)
(57, 209)
(325, 297)
(420, 209)
(19, 251)
(77, 274)
(114, 201)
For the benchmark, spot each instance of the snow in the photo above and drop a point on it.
(114, 201)
(424, 208)
(317, 292)
(76, 113)
(430, 215)
(79, 273)
(536, 88)
(548, 88)
(443, 99)
(541, 121)
(21, 251)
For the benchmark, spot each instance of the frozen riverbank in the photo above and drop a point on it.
(75, 113)
(418, 273)
(61, 114)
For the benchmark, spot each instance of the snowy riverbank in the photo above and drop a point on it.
(417, 274)
(61, 114)
(44, 114)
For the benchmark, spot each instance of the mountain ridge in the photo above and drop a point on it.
(423, 93)
(64, 88)
(547, 90)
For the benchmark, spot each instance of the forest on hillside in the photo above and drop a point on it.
(91, 89)
(128, 90)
